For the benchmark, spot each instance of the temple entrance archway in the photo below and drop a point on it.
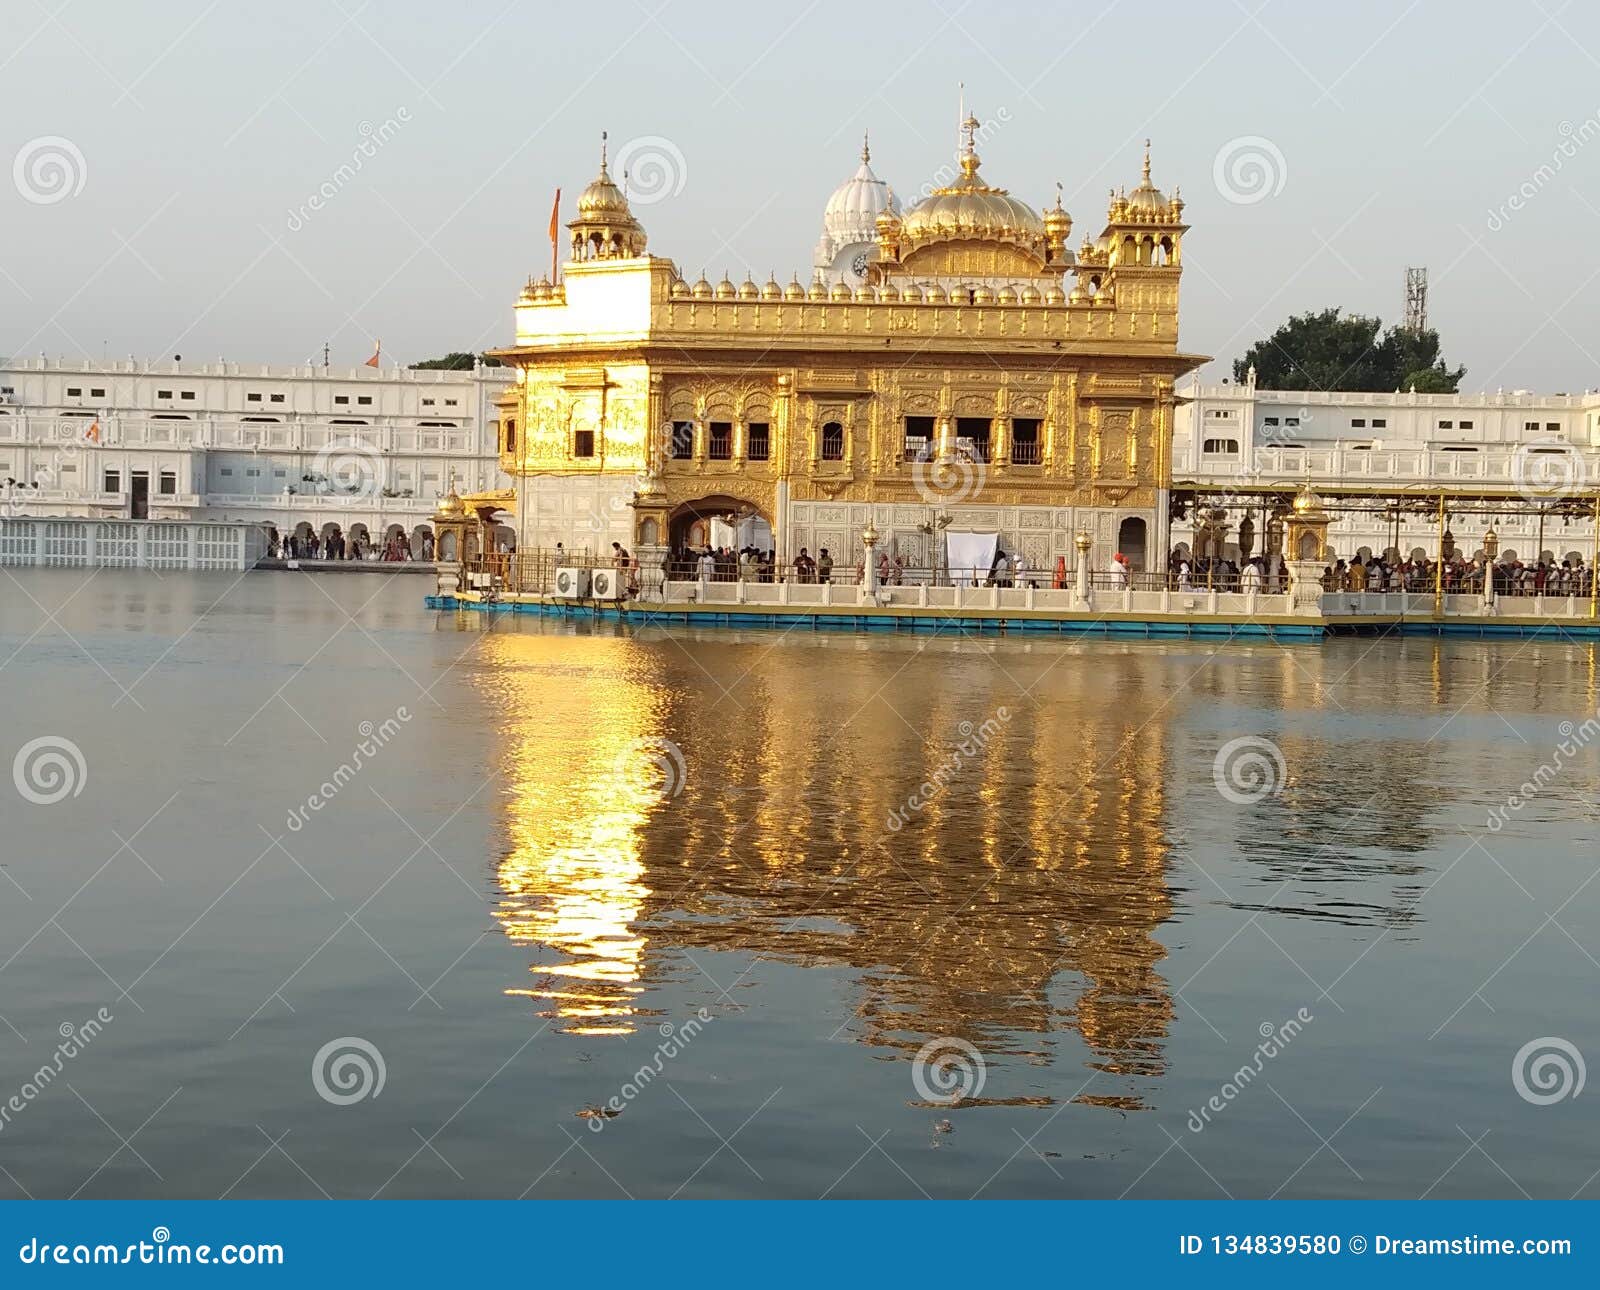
(1131, 541)
(720, 520)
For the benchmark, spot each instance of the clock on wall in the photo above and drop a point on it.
(858, 266)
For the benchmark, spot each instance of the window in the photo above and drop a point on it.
(1025, 441)
(832, 442)
(98, 392)
(758, 435)
(1447, 425)
(1456, 447)
(253, 473)
(449, 425)
(163, 394)
(583, 443)
(919, 438)
(1269, 421)
(721, 446)
(280, 474)
(276, 398)
(227, 472)
(1221, 447)
(511, 434)
(341, 398)
(252, 398)
(258, 418)
(1466, 425)
(113, 481)
(187, 394)
(681, 445)
(365, 399)
(972, 437)
(427, 403)
(1380, 423)
(169, 483)
(1291, 421)
(1553, 427)
(346, 421)
(1358, 423)
(450, 403)
(1220, 414)
(1530, 427)
(74, 391)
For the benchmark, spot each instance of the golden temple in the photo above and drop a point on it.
(950, 367)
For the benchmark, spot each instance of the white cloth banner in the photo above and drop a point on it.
(970, 555)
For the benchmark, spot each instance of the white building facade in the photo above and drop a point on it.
(355, 450)
(1532, 448)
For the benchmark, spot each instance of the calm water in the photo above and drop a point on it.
(577, 839)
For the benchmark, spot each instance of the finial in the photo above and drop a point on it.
(1147, 161)
(603, 151)
(1058, 194)
(866, 150)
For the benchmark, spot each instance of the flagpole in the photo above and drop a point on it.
(555, 226)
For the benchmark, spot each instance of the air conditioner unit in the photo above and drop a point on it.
(572, 584)
(608, 584)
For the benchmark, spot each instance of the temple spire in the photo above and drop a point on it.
(866, 148)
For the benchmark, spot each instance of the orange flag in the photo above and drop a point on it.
(92, 434)
(376, 353)
(555, 218)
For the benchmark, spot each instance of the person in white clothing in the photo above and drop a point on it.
(1252, 577)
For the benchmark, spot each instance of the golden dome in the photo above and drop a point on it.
(1057, 223)
(970, 209)
(602, 198)
(1147, 197)
(451, 506)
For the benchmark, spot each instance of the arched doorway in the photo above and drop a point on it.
(1131, 541)
(719, 521)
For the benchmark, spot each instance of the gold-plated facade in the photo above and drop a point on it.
(963, 375)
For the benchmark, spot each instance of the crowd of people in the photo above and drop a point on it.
(724, 564)
(333, 545)
(1387, 573)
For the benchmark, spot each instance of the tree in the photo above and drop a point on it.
(1334, 351)
(457, 361)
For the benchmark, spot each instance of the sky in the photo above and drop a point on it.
(164, 158)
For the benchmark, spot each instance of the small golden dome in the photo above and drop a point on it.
(933, 293)
(1078, 297)
(770, 290)
(1307, 505)
(888, 292)
(1147, 199)
(982, 295)
(602, 199)
(451, 505)
(819, 290)
(1057, 223)
(794, 291)
(679, 289)
(912, 294)
(1030, 295)
(702, 288)
(748, 289)
(839, 291)
(725, 289)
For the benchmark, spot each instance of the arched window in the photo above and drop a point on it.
(1220, 447)
(511, 434)
(833, 442)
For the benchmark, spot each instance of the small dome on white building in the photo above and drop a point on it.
(850, 223)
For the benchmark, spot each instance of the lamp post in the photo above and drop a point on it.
(1491, 548)
(1083, 542)
(869, 539)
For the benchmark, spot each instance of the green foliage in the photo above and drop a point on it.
(1334, 351)
(457, 361)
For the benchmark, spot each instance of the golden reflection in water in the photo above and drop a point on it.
(1017, 907)
(573, 877)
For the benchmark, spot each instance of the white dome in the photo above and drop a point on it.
(852, 212)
